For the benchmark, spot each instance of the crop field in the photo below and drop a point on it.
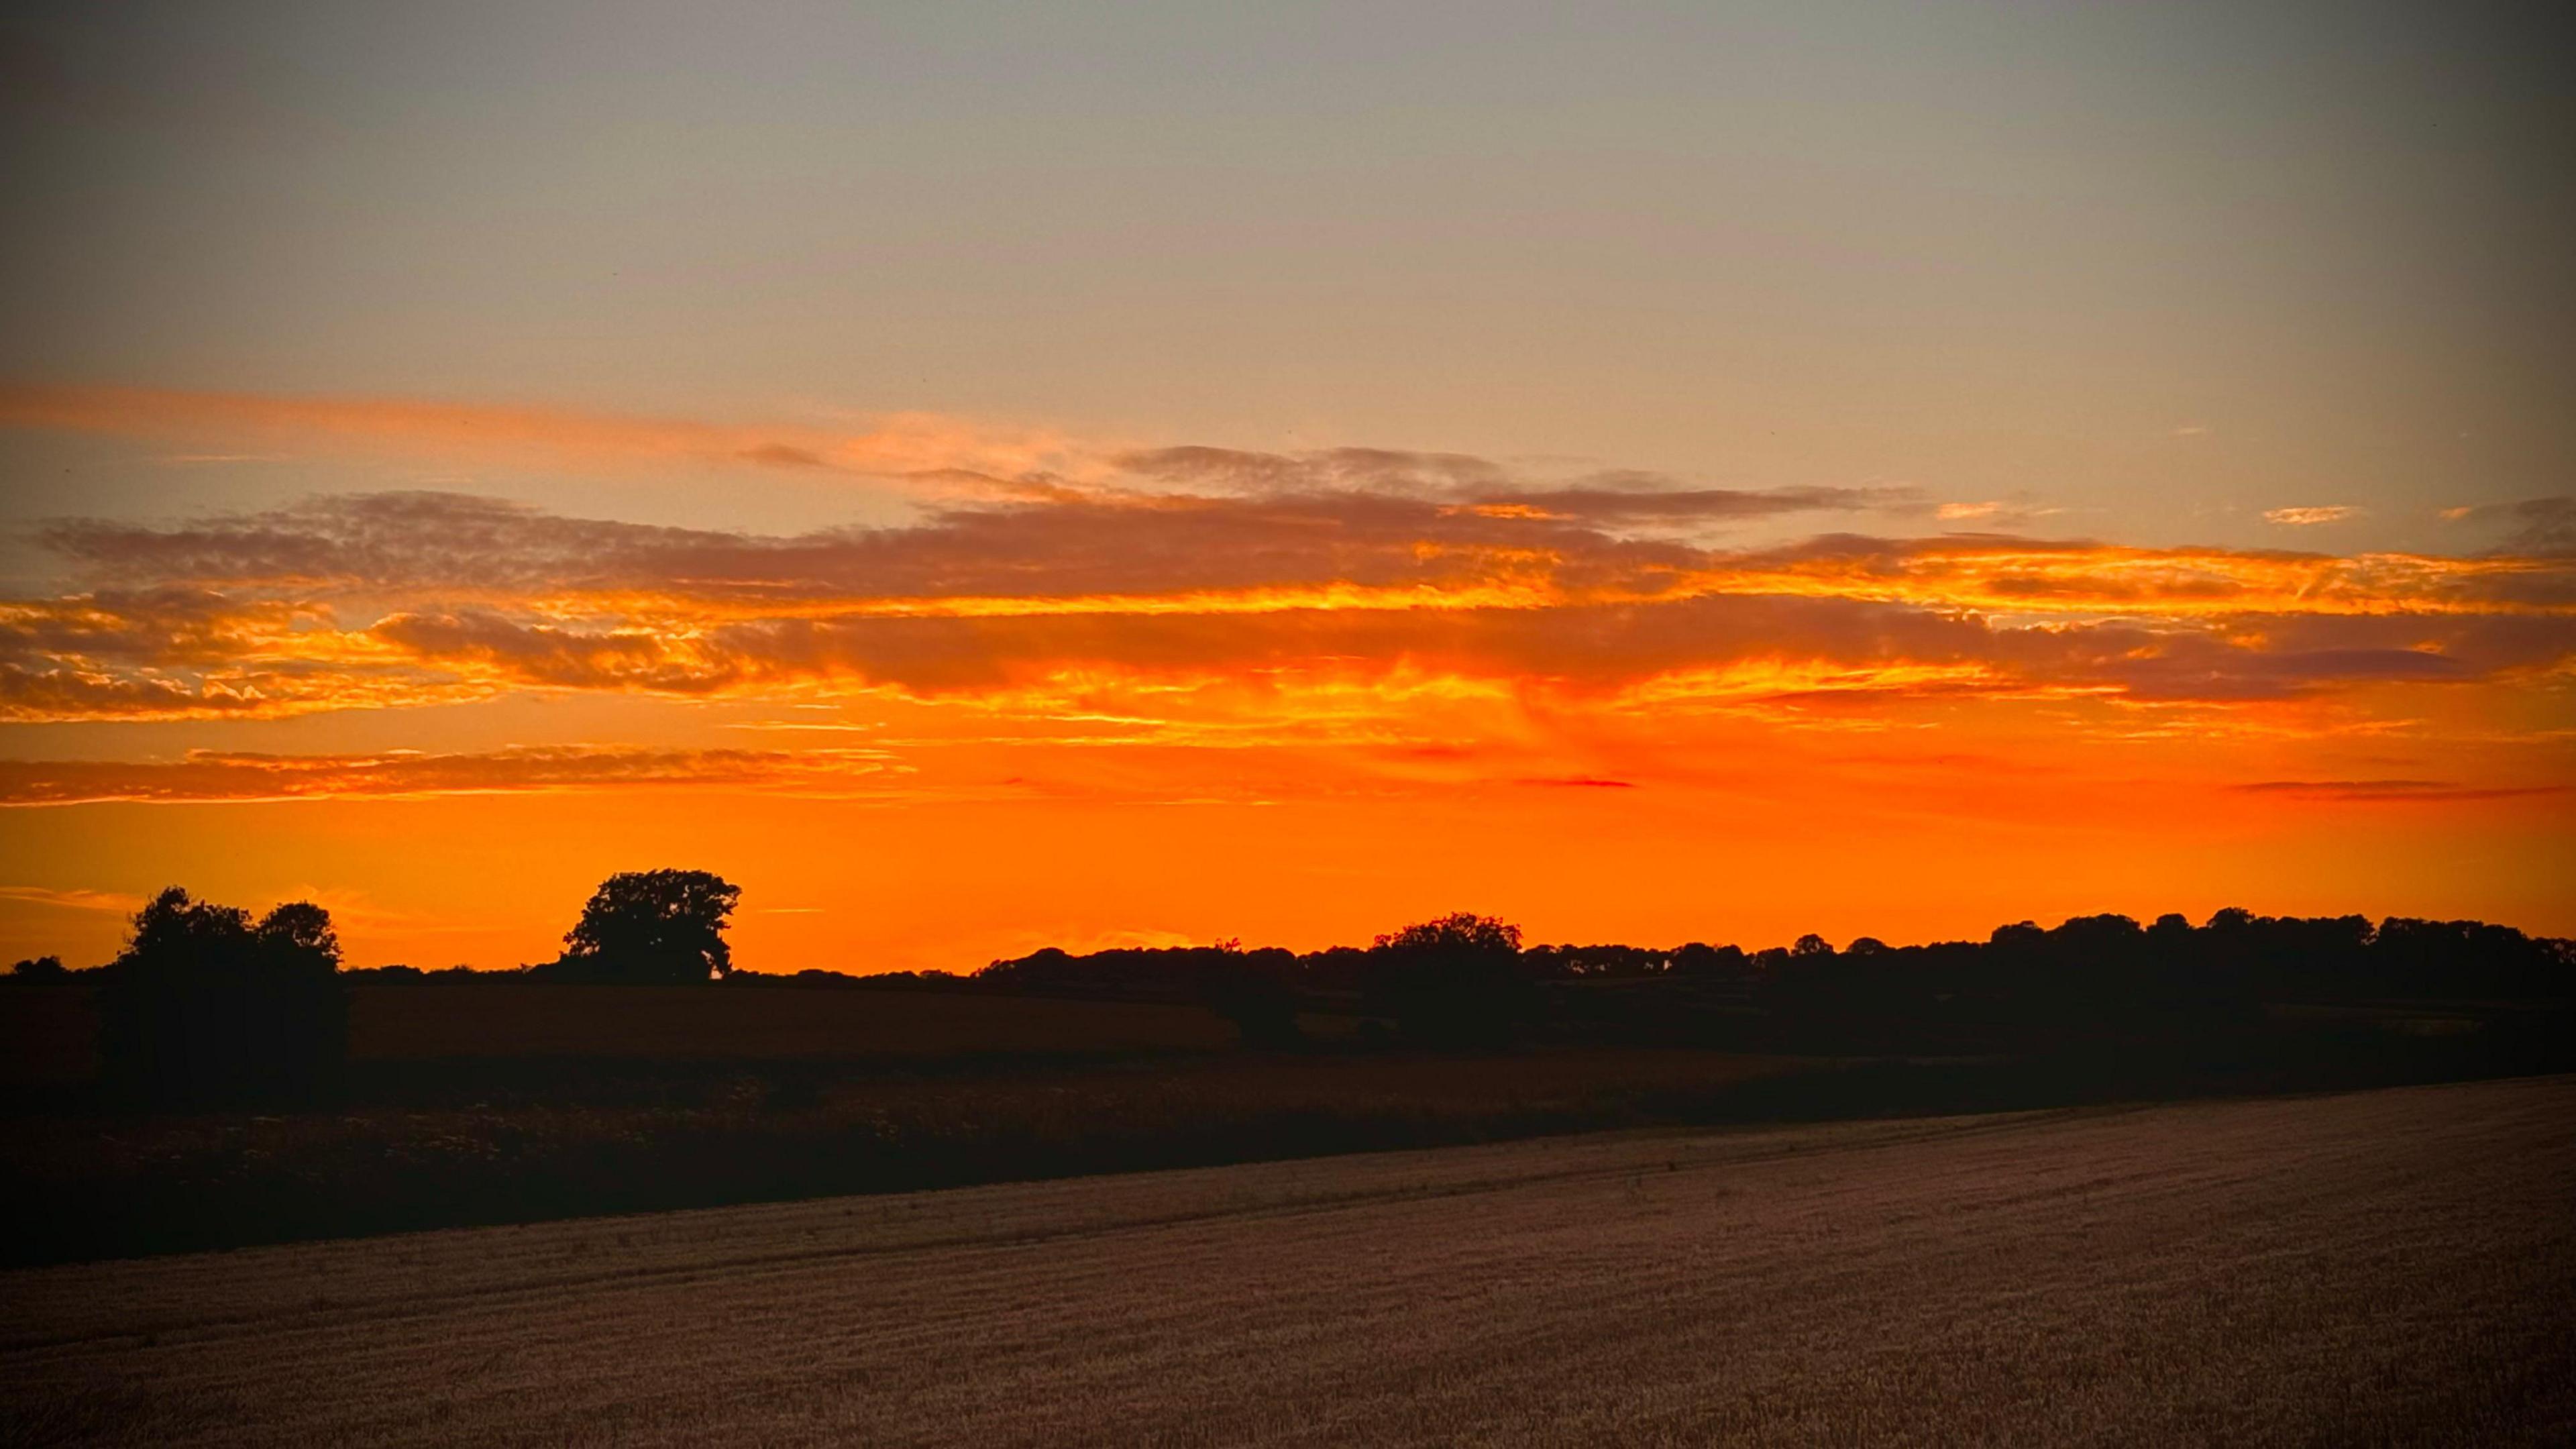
(2382, 1266)
(472, 1146)
(410, 1023)
(46, 1033)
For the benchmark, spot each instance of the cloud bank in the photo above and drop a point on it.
(383, 600)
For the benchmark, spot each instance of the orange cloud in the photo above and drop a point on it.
(947, 454)
(2310, 517)
(388, 600)
(2383, 792)
(1459, 663)
(207, 775)
(109, 902)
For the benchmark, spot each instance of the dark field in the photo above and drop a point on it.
(504, 1102)
(2383, 1267)
(511, 1102)
(47, 1032)
(536, 1143)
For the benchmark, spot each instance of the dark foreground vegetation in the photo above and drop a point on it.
(221, 1083)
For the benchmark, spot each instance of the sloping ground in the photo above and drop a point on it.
(2386, 1265)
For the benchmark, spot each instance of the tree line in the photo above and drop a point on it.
(208, 1005)
(206, 1002)
(1468, 976)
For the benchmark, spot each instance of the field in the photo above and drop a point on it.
(517, 1139)
(47, 1033)
(472, 1103)
(2396, 1265)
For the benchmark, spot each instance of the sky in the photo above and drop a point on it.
(988, 476)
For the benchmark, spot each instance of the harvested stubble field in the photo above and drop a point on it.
(2384, 1266)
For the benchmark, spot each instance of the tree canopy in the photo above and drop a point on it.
(652, 926)
(207, 1004)
(1459, 933)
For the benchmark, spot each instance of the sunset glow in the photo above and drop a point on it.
(1772, 577)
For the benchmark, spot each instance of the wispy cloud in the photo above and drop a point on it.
(933, 456)
(2545, 526)
(943, 454)
(1993, 513)
(219, 776)
(2309, 517)
(2394, 791)
(110, 902)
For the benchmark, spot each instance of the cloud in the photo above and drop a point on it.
(1328, 469)
(409, 598)
(1567, 647)
(1602, 503)
(1483, 487)
(110, 902)
(2310, 517)
(1993, 513)
(935, 456)
(2539, 526)
(2393, 791)
(891, 446)
(780, 455)
(211, 776)
(545, 655)
(1317, 549)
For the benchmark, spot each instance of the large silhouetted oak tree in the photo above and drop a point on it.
(651, 927)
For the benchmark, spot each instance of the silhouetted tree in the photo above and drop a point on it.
(206, 1006)
(39, 968)
(1256, 990)
(2085, 983)
(1701, 959)
(1455, 979)
(1457, 936)
(651, 927)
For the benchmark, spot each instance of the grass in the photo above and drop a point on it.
(2390, 1266)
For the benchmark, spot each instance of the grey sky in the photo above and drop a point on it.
(2163, 267)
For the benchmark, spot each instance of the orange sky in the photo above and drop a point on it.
(1178, 694)
(983, 477)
